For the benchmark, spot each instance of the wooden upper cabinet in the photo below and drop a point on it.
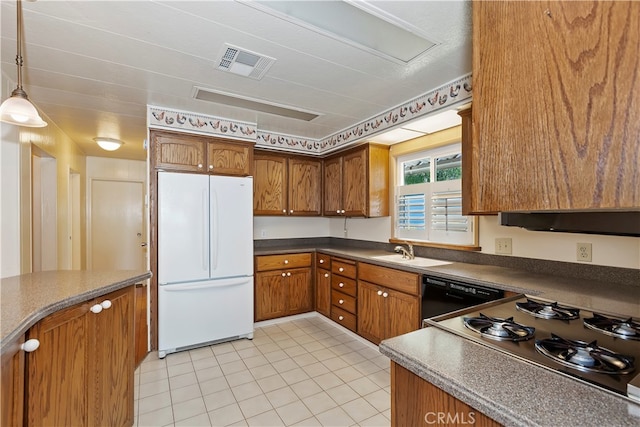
(286, 185)
(356, 182)
(230, 158)
(556, 102)
(197, 153)
(179, 152)
(305, 186)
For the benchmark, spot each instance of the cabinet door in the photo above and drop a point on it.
(12, 377)
(568, 105)
(332, 184)
(229, 158)
(270, 295)
(299, 291)
(371, 312)
(178, 152)
(305, 179)
(57, 372)
(354, 183)
(269, 185)
(112, 364)
(402, 313)
(323, 292)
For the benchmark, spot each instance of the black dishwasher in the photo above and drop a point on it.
(440, 296)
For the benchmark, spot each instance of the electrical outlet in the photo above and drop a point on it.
(583, 252)
(503, 245)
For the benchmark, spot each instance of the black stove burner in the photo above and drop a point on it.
(548, 310)
(628, 329)
(588, 357)
(499, 329)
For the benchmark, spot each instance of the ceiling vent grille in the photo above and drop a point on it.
(244, 62)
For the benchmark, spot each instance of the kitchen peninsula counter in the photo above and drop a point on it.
(27, 298)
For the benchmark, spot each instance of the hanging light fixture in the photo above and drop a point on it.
(109, 144)
(17, 109)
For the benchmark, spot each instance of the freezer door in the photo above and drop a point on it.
(193, 314)
(231, 226)
(183, 227)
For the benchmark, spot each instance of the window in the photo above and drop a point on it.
(429, 197)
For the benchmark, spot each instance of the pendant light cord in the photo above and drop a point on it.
(19, 50)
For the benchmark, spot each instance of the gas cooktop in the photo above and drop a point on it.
(599, 349)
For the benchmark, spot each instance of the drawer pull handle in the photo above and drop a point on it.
(286, 261)
(340, 317)
(379, 292)
(341, 269)
(30, 345)
(326, 274)
(341, 301)
(341, 284)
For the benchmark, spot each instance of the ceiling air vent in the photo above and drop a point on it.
(244, 62)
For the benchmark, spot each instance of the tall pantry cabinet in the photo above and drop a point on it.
(556, 102)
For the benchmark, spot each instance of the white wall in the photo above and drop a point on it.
(9, 201)
(276, 227)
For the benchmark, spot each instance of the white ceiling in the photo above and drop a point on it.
(93, 66)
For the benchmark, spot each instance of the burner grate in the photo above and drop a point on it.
(548, 310)
(499, 329)
(627, 329)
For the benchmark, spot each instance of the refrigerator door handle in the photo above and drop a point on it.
(214, 230)
(205, 216)
(212, 284)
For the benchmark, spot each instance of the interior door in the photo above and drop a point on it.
(117, 227)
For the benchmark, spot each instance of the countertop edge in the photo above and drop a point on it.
(43, 311)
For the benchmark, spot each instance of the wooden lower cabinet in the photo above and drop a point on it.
(12, 377)
(82, 373)
(323, 285)
(281, 293)
(416, 402)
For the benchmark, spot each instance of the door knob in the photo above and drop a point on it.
(143, 244)
(30, 345)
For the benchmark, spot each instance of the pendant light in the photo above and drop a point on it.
(17, 109)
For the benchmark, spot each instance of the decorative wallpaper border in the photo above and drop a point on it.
(172, 119)
(454, 92)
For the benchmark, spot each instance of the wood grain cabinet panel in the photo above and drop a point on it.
(555, 122)
(286, 185)
(229, 158)
(12, 377)
(82, 373)
(323, 284)
(416, 402)
(389, 302)
(356, 182)
(185, 152)
(283, 285)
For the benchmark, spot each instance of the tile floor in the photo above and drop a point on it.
(305, 371)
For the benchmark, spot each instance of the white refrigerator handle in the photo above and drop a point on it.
(205, 218)
(220, 283)
(214, 230)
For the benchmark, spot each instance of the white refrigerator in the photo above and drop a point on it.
(205, 260)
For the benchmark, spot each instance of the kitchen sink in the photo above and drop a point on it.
(417, 261)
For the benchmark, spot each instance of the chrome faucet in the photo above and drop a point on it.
(405, 253)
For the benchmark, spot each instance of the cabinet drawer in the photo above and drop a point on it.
(344, 301)
(343, 284)
(277, 262)
(343, 267)
(344, 318)
(390, 278)
(323, 261)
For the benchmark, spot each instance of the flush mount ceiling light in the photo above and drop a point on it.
(359, 24)
(17, 109)
(109, 144)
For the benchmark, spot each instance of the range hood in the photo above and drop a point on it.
(616, 223)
